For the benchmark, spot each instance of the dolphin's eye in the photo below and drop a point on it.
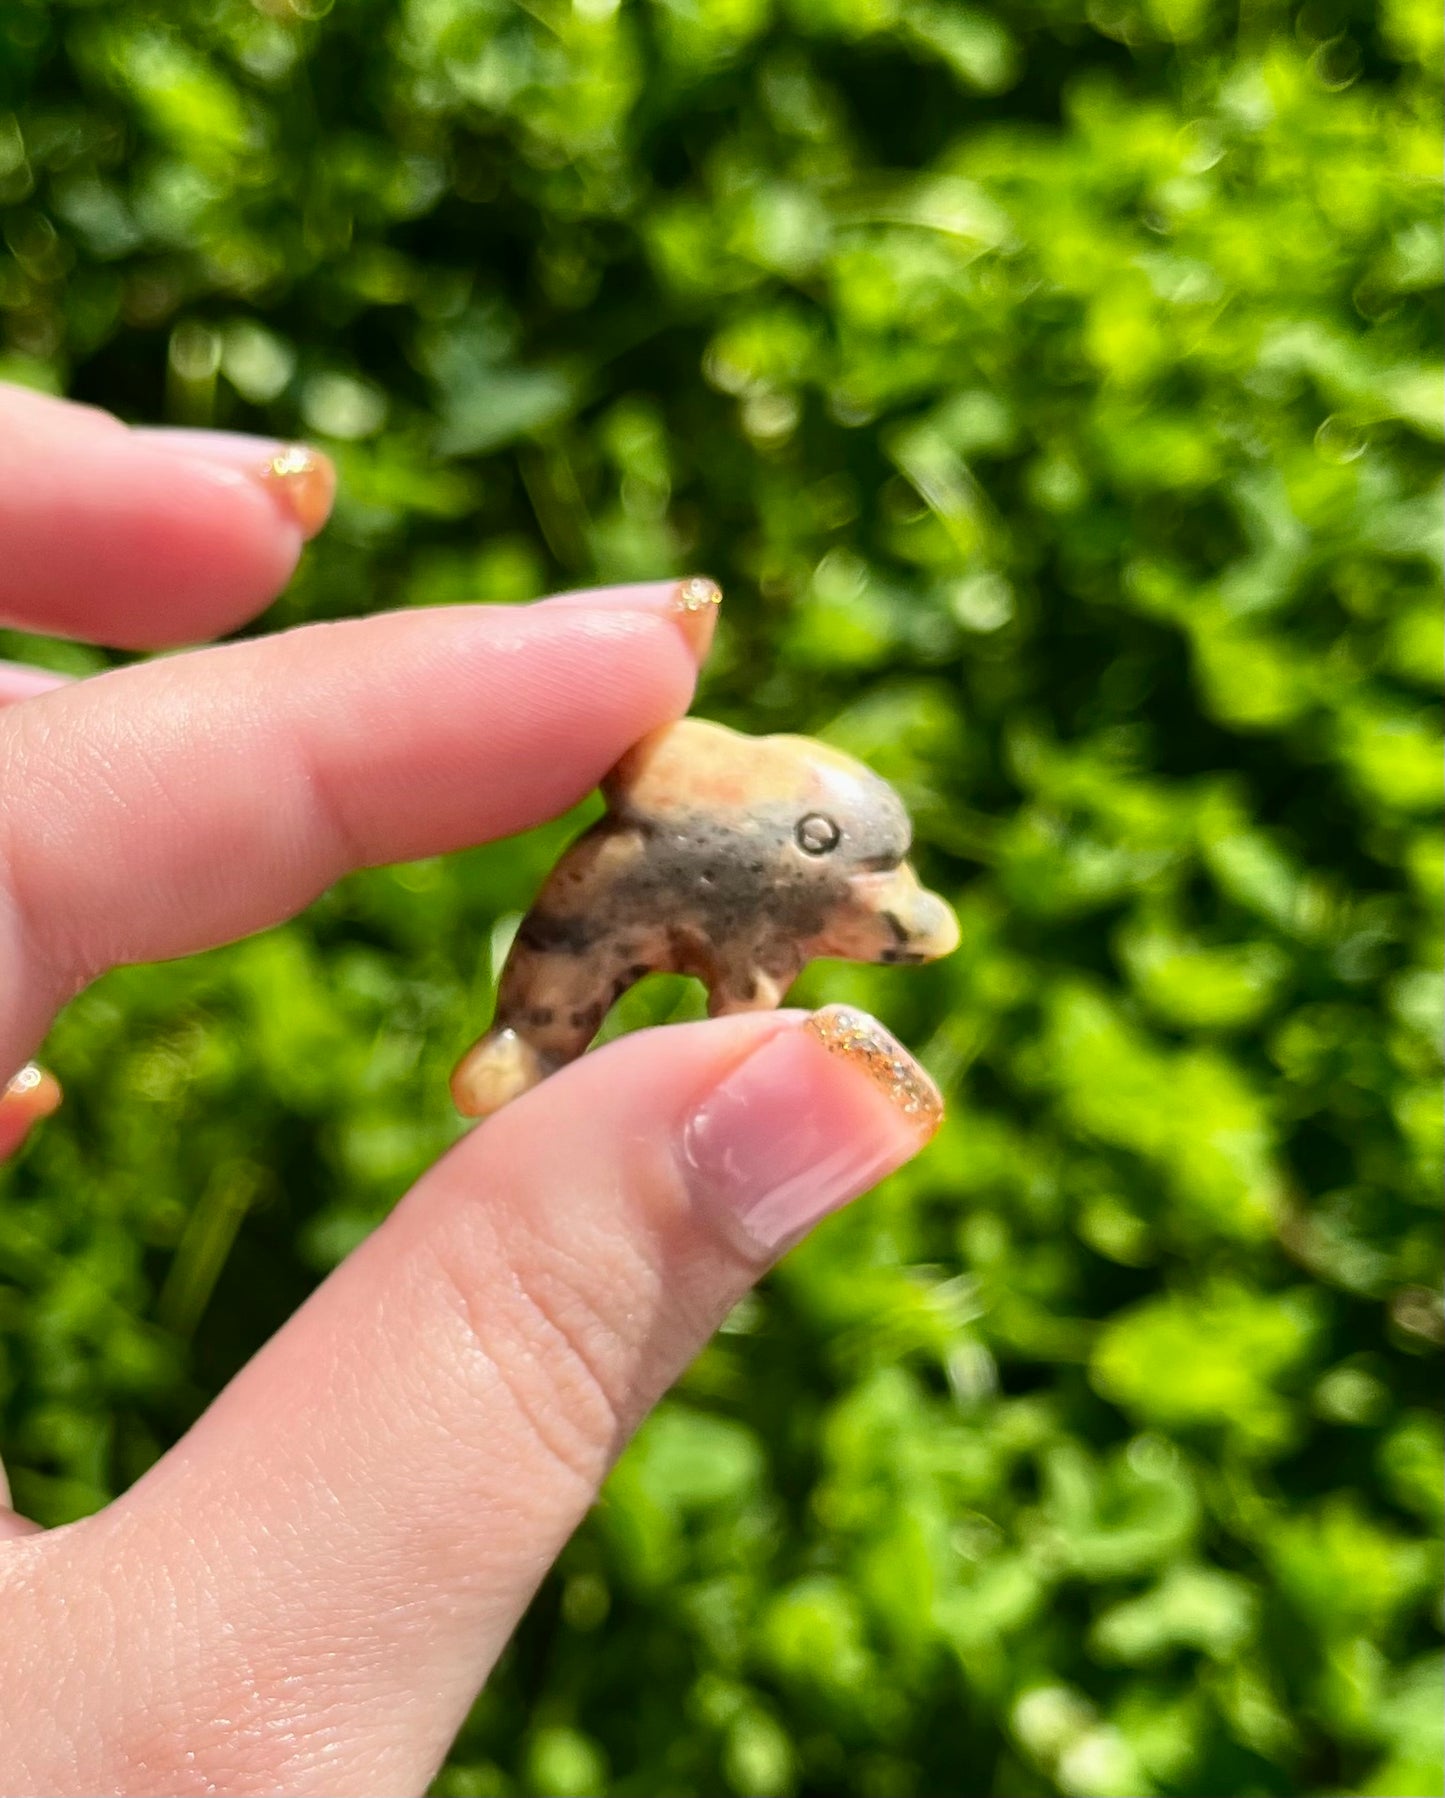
(817, 835)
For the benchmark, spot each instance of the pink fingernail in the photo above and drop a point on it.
(31, 1095)
(692, 604)
(812, 1119)
(19, 681)
(302, 480)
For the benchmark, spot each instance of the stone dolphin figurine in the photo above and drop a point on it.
(732, 858)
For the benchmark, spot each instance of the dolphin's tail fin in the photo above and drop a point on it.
(501, 1067)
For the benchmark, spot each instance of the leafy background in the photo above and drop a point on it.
(1056, 391)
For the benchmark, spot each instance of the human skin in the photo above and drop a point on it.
(307, 1592)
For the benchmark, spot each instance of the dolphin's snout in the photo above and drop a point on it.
(933, 926)
(923, 924)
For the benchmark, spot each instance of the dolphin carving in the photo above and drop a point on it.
(736, 859)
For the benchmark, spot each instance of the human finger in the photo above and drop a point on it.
(19, 681)
(145, 538)
(164, 807)
(333, 1558)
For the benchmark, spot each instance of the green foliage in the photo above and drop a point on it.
(1056, 391)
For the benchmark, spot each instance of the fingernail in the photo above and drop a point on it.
(305, 482)
(816, 1116)
(692, 604)
(19, 681)
(695, 604)
(31, 1095)
(302, 480)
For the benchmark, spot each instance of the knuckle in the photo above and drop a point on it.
(349, 843)
(33, 792)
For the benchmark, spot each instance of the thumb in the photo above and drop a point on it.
(339, 1550)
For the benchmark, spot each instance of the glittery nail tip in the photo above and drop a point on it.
(34, 1089)
(863, 1041)
(694, 605)
(698, 595)
(306, 481)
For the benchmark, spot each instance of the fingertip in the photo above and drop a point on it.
(144, 539)
(814, 1118)
(771, 1120)
(691, 604)
(300, 480)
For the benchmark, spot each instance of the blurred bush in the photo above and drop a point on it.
(1056, 389)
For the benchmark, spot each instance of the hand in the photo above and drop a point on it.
(306, 1593)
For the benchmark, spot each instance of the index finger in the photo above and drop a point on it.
(145, 538)
(167, 807)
